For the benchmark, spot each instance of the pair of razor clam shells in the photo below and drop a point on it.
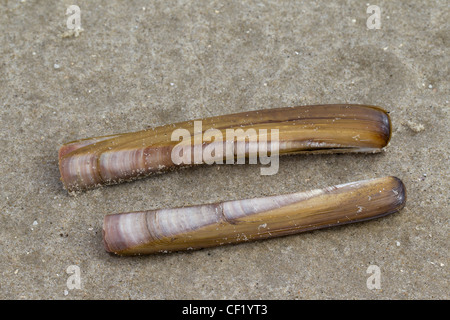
(93, 162)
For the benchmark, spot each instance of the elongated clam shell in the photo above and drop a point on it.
(210, 225)
(111, 159)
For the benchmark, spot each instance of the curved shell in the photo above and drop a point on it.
(112, 159)
(228, 222)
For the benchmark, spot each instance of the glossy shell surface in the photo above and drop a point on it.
(237, 221)
(93, 162)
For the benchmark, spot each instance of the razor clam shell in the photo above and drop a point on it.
(93, 162)
(208, 225)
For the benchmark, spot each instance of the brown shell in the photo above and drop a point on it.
(228, 222)
(112, 159)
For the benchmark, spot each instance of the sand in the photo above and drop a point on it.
(138, 64)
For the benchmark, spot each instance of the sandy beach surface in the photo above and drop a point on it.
(139, 64)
